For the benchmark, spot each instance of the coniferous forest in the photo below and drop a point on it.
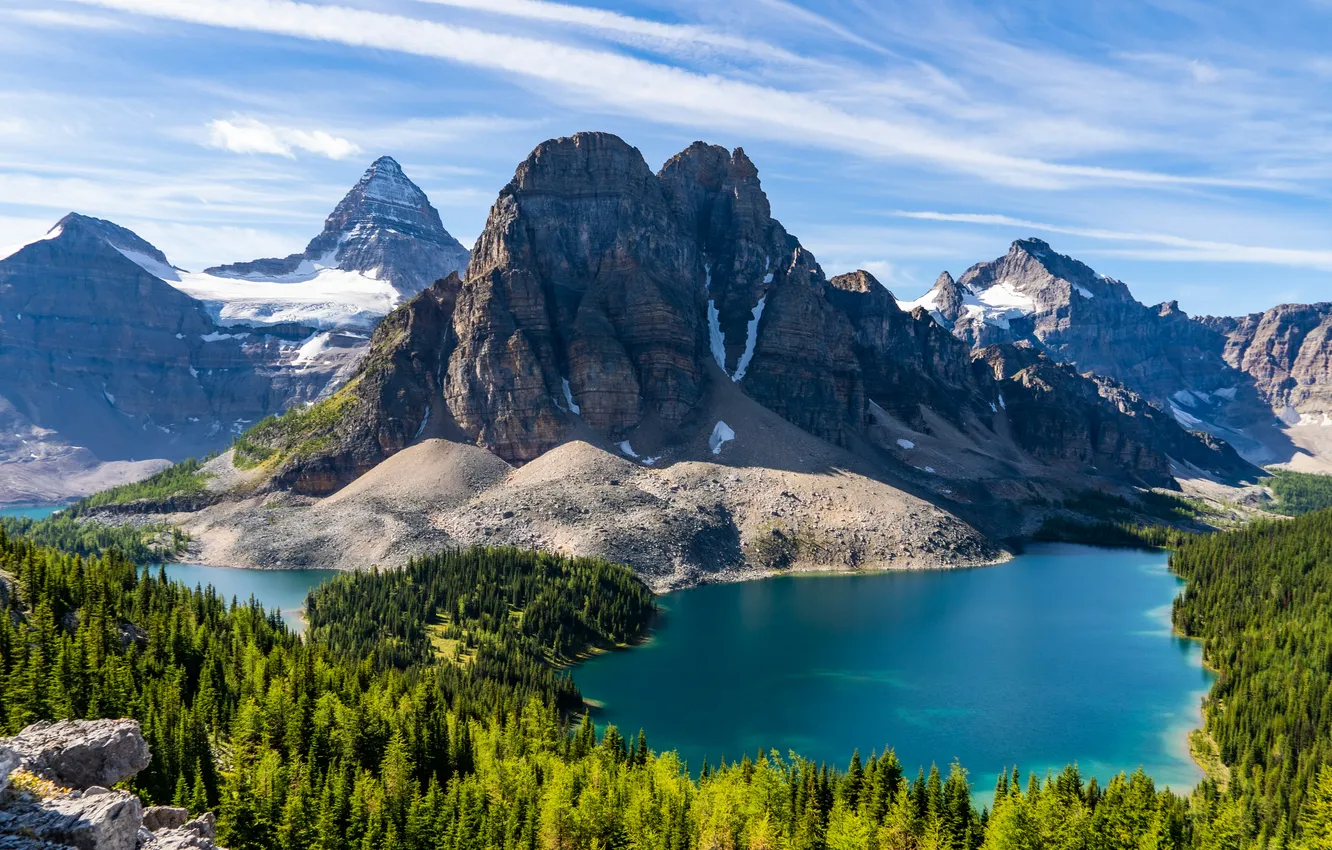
(429, 707)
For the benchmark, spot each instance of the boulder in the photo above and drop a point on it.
(197, 834)
(97, 819)
(157, 818)
(82, 753)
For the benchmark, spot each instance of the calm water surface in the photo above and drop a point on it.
(275, 589)
(30, 511)
(1064, 654)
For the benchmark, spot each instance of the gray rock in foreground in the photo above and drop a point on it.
(83, 753)
(79, 758)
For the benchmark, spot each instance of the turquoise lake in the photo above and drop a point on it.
(275, 589)
(30, 511)
(1064, 654)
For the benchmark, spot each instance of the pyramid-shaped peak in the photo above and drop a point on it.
(385, 181)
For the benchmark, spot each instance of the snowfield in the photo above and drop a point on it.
(322, 297)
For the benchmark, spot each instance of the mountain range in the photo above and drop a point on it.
(115, 362)
(648, 366)
(641, 365)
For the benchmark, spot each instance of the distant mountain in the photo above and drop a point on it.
(1241, 379)
(658, 355)
(382, 243)
(101, 361)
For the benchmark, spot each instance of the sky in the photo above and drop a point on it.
(1183, 147)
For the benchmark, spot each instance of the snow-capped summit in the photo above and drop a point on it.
(382, 243)
(1031, 279)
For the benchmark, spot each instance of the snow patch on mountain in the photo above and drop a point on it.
(996, 305)
(569, 399)
(1185, 418)
(751, 339)
(311, 349)
(152, 265)
(716, 342)
(721, 434)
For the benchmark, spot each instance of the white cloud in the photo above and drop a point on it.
(248, 135)
(624, 28)
(1177, 248)
(658, 92)
(1203, 72)
(65, 20)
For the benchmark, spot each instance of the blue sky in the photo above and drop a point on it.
(1184, 147)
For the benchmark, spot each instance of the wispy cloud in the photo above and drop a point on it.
(641, 32)
(1177, 248)
(250, 136)
(64, 20)
(661, 92)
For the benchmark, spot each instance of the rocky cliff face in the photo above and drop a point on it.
(1078, 316)
(55, 781)
(607, 302)
(1287, 352)
(385, 227)
(1092, 422)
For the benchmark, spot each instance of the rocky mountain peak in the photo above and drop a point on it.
(857, 281)
(742, 167)
(384, 228)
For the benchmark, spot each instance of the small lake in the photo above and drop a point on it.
(1065, 654)
(275, 589)
(30, 511)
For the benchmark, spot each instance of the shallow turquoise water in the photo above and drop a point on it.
(275, 589)
(1064, 654)
(30, 511)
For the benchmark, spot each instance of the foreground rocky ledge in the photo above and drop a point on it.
(55, 792)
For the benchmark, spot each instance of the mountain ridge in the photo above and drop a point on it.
(658, 332)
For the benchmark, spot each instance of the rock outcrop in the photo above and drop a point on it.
(1287, 352)
(384, 227)
(80, 754)
(54, 794)
(1097, 423)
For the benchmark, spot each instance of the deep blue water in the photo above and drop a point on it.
(275, 589)
(30, 511)
(1065, 654)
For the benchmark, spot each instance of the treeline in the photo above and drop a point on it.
(1059, 529)
(1300, 493)
(1261, 600)
(184, 480)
